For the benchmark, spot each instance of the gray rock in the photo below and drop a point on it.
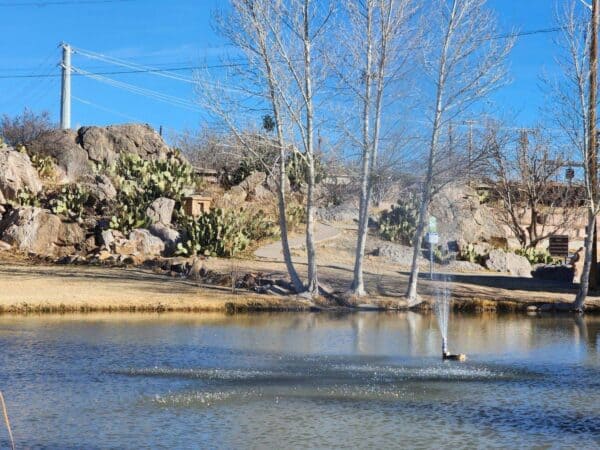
(160, 211)
(252, 181)
(464, 267)
(101, 188)
(461, 217)
(401, 254)
(168, 235)
(108, 238)
(105, 144)
(145, 243)
(501, 261)
(62, 145)
(16, 174)
(33, 230)
(346, 212)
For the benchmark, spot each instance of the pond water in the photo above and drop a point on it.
(365, 380)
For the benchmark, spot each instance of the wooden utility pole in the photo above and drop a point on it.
(593, 137)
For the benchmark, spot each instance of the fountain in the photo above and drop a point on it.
(442, 312)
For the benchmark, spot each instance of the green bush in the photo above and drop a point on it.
(535, 256)
(25, 197)
(297, 170)
(217, 233)
(400, 223)
(224, 233)
(70, 201)
(139, 182)
(469, 253)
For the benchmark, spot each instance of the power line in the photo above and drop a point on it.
(165, 98)
(122, 72)
(42, 4)
(241, 64)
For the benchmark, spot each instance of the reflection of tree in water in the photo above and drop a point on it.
(588, 331)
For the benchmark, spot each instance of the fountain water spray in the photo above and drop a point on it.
(442, 312)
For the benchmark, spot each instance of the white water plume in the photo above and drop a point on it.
(442, 309)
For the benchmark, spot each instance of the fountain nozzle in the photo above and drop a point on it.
(446, 355)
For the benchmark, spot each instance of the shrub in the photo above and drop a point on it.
(217, 233)
(469, 253)
(70, 201)
(297, 170)
(400, 223)
(140, 182)
(535, 256)
(225, 233)
(25, 197)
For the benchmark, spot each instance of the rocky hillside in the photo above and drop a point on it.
(116, 193)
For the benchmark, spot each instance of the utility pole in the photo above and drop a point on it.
(65, 97)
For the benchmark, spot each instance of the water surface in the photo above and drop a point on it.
(365, 380)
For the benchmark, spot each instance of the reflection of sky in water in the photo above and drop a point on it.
(299, 380)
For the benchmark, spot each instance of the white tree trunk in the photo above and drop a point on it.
(584, 283)
(313, 281)
(358, 285)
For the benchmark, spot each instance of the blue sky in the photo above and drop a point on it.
(178, 33)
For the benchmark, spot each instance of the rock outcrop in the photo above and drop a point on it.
(501, 261)
(62, 145)
(37, 231)
(76, 152)
(105, 144)
(16, 174)
(462, 218)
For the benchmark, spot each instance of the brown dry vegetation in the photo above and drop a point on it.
(28, 287)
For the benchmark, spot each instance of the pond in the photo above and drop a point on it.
(365, 380)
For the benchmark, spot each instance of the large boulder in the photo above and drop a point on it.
(168, 235)
(105, 144)
(37, 231)
(62, 145)
(501, 261)
(16, 174)
(462, 218)
(140, 242)
(161, 211)
(346, 213)
(100, 187)
(255, 186)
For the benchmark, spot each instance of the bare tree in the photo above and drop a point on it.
(526, 183)
(465, 62)
(575, 99)
(369, 68)
(279, 40)
(24, 128)
(252, 28)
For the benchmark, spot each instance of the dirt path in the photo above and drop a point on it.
(323, 233)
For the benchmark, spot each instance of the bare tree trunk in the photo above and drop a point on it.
(358, 286)
(584, 284)
(589, 276)
(313, 281)
(285, 245)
